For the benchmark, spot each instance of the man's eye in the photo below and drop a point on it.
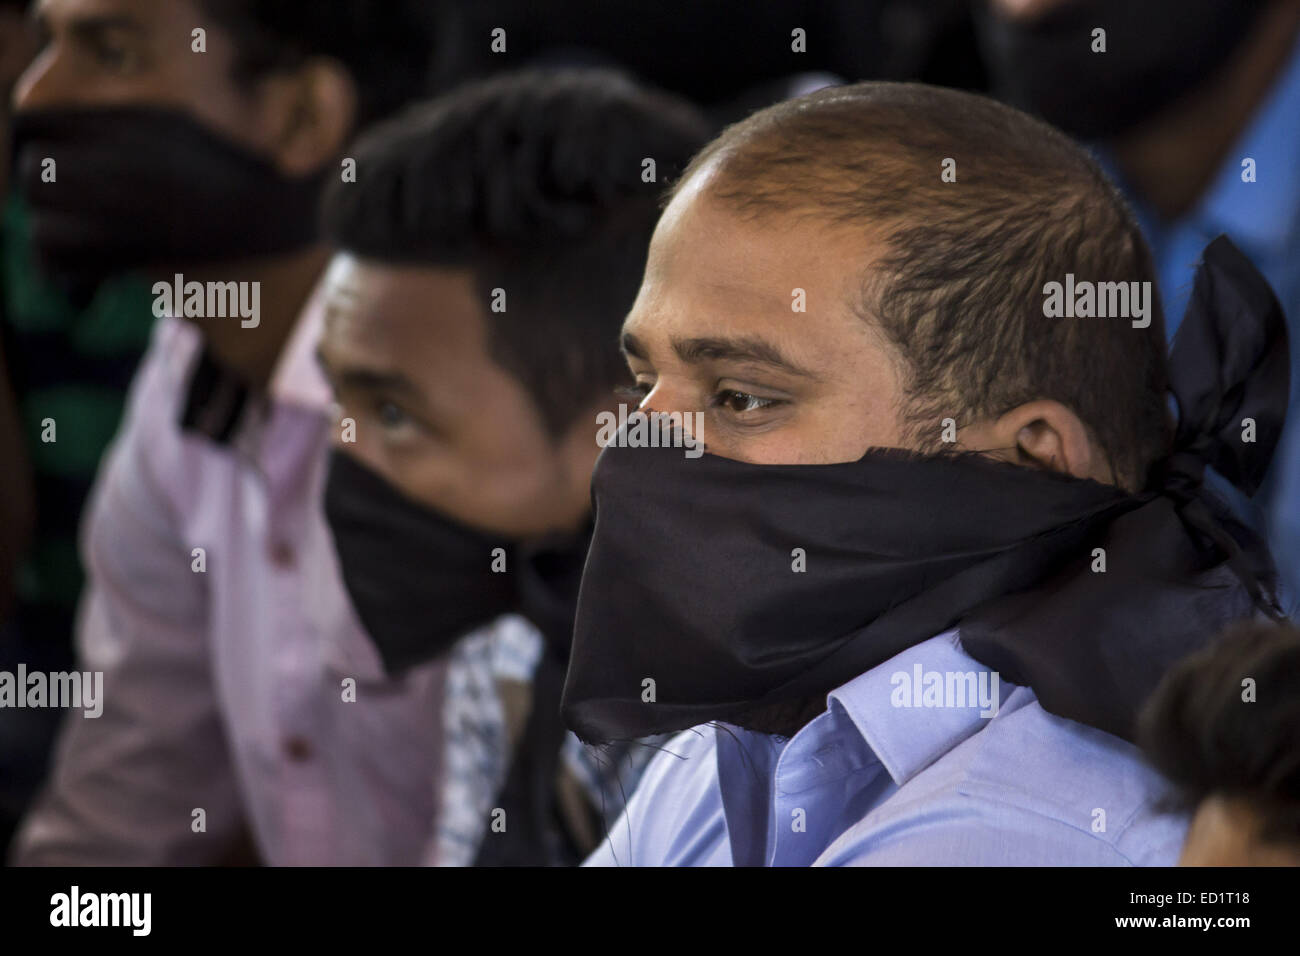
(741, 402)
(391, 416)
(117, 57)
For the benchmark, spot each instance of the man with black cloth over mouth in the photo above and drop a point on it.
(487, 253)
(942, 545)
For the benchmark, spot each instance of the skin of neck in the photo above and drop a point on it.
(1172, 158)
(286, 282)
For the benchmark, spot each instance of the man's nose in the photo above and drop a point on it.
(666, 398)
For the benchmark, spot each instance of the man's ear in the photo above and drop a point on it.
(1044, 434)
(315, 110)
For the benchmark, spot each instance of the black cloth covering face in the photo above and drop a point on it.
(146, 186)
(691, 581)
(420, 581)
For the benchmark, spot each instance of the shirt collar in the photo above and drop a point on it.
(891, 713)
(216, 400)
(220, 405)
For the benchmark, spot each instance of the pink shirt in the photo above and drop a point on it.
(224, 688)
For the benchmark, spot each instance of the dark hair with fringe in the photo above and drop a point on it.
(533, 182)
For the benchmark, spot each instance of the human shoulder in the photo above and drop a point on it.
(1029, 789)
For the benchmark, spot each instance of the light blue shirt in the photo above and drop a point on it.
(1263, 219)
(892, 775)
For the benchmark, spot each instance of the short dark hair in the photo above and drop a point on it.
(386, 45)
(958, 289)
(1200, 733)
(534, 182)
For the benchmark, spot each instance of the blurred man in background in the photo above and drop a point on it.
(1193, 106)
(1224, 727)
(188, 142)
(489, 249)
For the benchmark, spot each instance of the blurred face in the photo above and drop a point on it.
(406, 351)
(110, 53)
(714, 330)
(1226, 833)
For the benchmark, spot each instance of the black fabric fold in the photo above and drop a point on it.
(1092, 645)
(420, 581)
(139, 187)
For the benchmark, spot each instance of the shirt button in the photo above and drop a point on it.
(298, 748)
(282, 554)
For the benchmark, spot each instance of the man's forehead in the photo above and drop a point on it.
(756, 258)
(691, 293)
(423, 314)
(353, 280)
(712, 272)
(710, 305)
(697, 333)
(723, 292)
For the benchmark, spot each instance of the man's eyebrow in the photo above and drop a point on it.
(738, 350)
(92, 25)
(373, 380)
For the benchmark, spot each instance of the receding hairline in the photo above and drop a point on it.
(834, 118)
(869, 157)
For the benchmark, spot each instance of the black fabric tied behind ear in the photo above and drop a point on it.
(1230, 363)
(1180, 567)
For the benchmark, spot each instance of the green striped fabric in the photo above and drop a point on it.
(70, 369)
